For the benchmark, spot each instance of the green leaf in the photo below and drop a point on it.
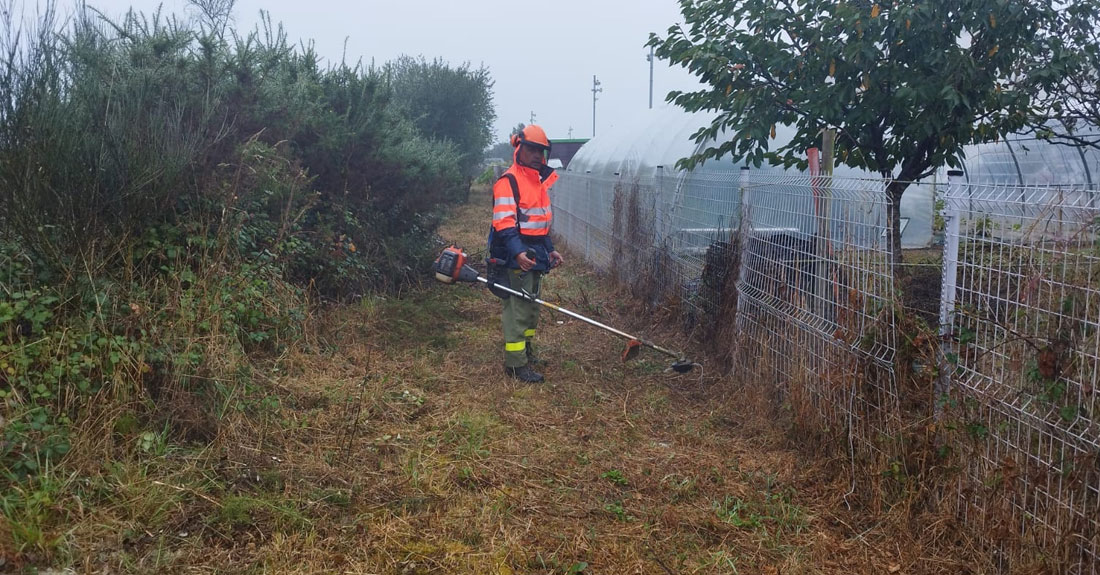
(967, 336)
(926, 89)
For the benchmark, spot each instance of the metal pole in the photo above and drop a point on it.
(650, 58)
(595, 89)
(743, 240)
(955, 187)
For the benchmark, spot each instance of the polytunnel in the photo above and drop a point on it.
(697, 205)
(705, 199)
(658, 139)
(687, 213)
(1027, 159)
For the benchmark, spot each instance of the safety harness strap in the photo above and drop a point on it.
(520, 216)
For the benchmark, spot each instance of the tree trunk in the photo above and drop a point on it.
(893, 216)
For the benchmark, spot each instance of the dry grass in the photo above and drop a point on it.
(393, 443)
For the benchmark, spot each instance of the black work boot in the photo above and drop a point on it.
(523, 373)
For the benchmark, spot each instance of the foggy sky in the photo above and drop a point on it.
(542, 56)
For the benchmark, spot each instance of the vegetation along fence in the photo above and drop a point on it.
(790, 277)
(1021, 307)
(815, 317)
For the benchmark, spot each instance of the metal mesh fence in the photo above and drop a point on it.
(815, 311)
(793, 274)
(804, 267)
(1022, 304)
(652, 233)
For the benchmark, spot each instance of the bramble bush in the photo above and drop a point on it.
(174, 197)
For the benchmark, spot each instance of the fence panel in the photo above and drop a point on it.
(651, 233)
(1024, 321)
(803, 265)
(815, 314)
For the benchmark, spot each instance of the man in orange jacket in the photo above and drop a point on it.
(521, 229)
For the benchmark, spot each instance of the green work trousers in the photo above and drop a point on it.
(520, 317)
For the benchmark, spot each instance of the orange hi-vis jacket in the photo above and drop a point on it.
(527, 225)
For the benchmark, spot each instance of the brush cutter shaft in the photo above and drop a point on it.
(451, 266)
(576, 315)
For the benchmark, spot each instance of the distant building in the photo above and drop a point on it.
(565, 149)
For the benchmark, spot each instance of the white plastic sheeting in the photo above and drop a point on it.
(652, 145)
(1023, 159)
(658, 138)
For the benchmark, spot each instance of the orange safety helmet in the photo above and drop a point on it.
(531, 136)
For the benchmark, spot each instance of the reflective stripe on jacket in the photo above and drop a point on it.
(534, 213)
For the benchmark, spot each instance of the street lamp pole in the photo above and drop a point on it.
(595, 89)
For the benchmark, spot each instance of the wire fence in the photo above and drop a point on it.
(1021, 307)
(654, 233)
(808, 260)
(793, 275)
(815, 315)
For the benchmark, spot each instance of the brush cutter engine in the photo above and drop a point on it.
(451, 266)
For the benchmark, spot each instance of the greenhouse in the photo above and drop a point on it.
(684, 213)
(1025, 159)
(692, 207)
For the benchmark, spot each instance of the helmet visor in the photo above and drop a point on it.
(540, 151)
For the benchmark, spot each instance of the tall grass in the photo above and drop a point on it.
(173, 197)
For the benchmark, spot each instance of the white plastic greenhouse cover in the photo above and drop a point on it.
(657, 137)
(662, 136)
(1024, 159)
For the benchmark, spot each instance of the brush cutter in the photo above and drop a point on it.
(451, 266)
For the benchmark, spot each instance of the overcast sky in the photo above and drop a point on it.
(542, 55)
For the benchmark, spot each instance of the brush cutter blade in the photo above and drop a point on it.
(682, 366)
(633, 347)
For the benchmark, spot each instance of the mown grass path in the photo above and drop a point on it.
(393, 443)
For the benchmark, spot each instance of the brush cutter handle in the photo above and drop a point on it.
(531, 255)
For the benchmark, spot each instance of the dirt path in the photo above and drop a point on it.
(605, 468)
(396, 445)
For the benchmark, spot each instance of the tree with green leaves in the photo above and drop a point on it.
(1069, 114)
(502, 150)
(905, 84)
(448, 103)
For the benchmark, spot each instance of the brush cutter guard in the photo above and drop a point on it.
(633, 347)
(451, 266)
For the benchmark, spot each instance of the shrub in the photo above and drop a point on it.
(169, 199)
